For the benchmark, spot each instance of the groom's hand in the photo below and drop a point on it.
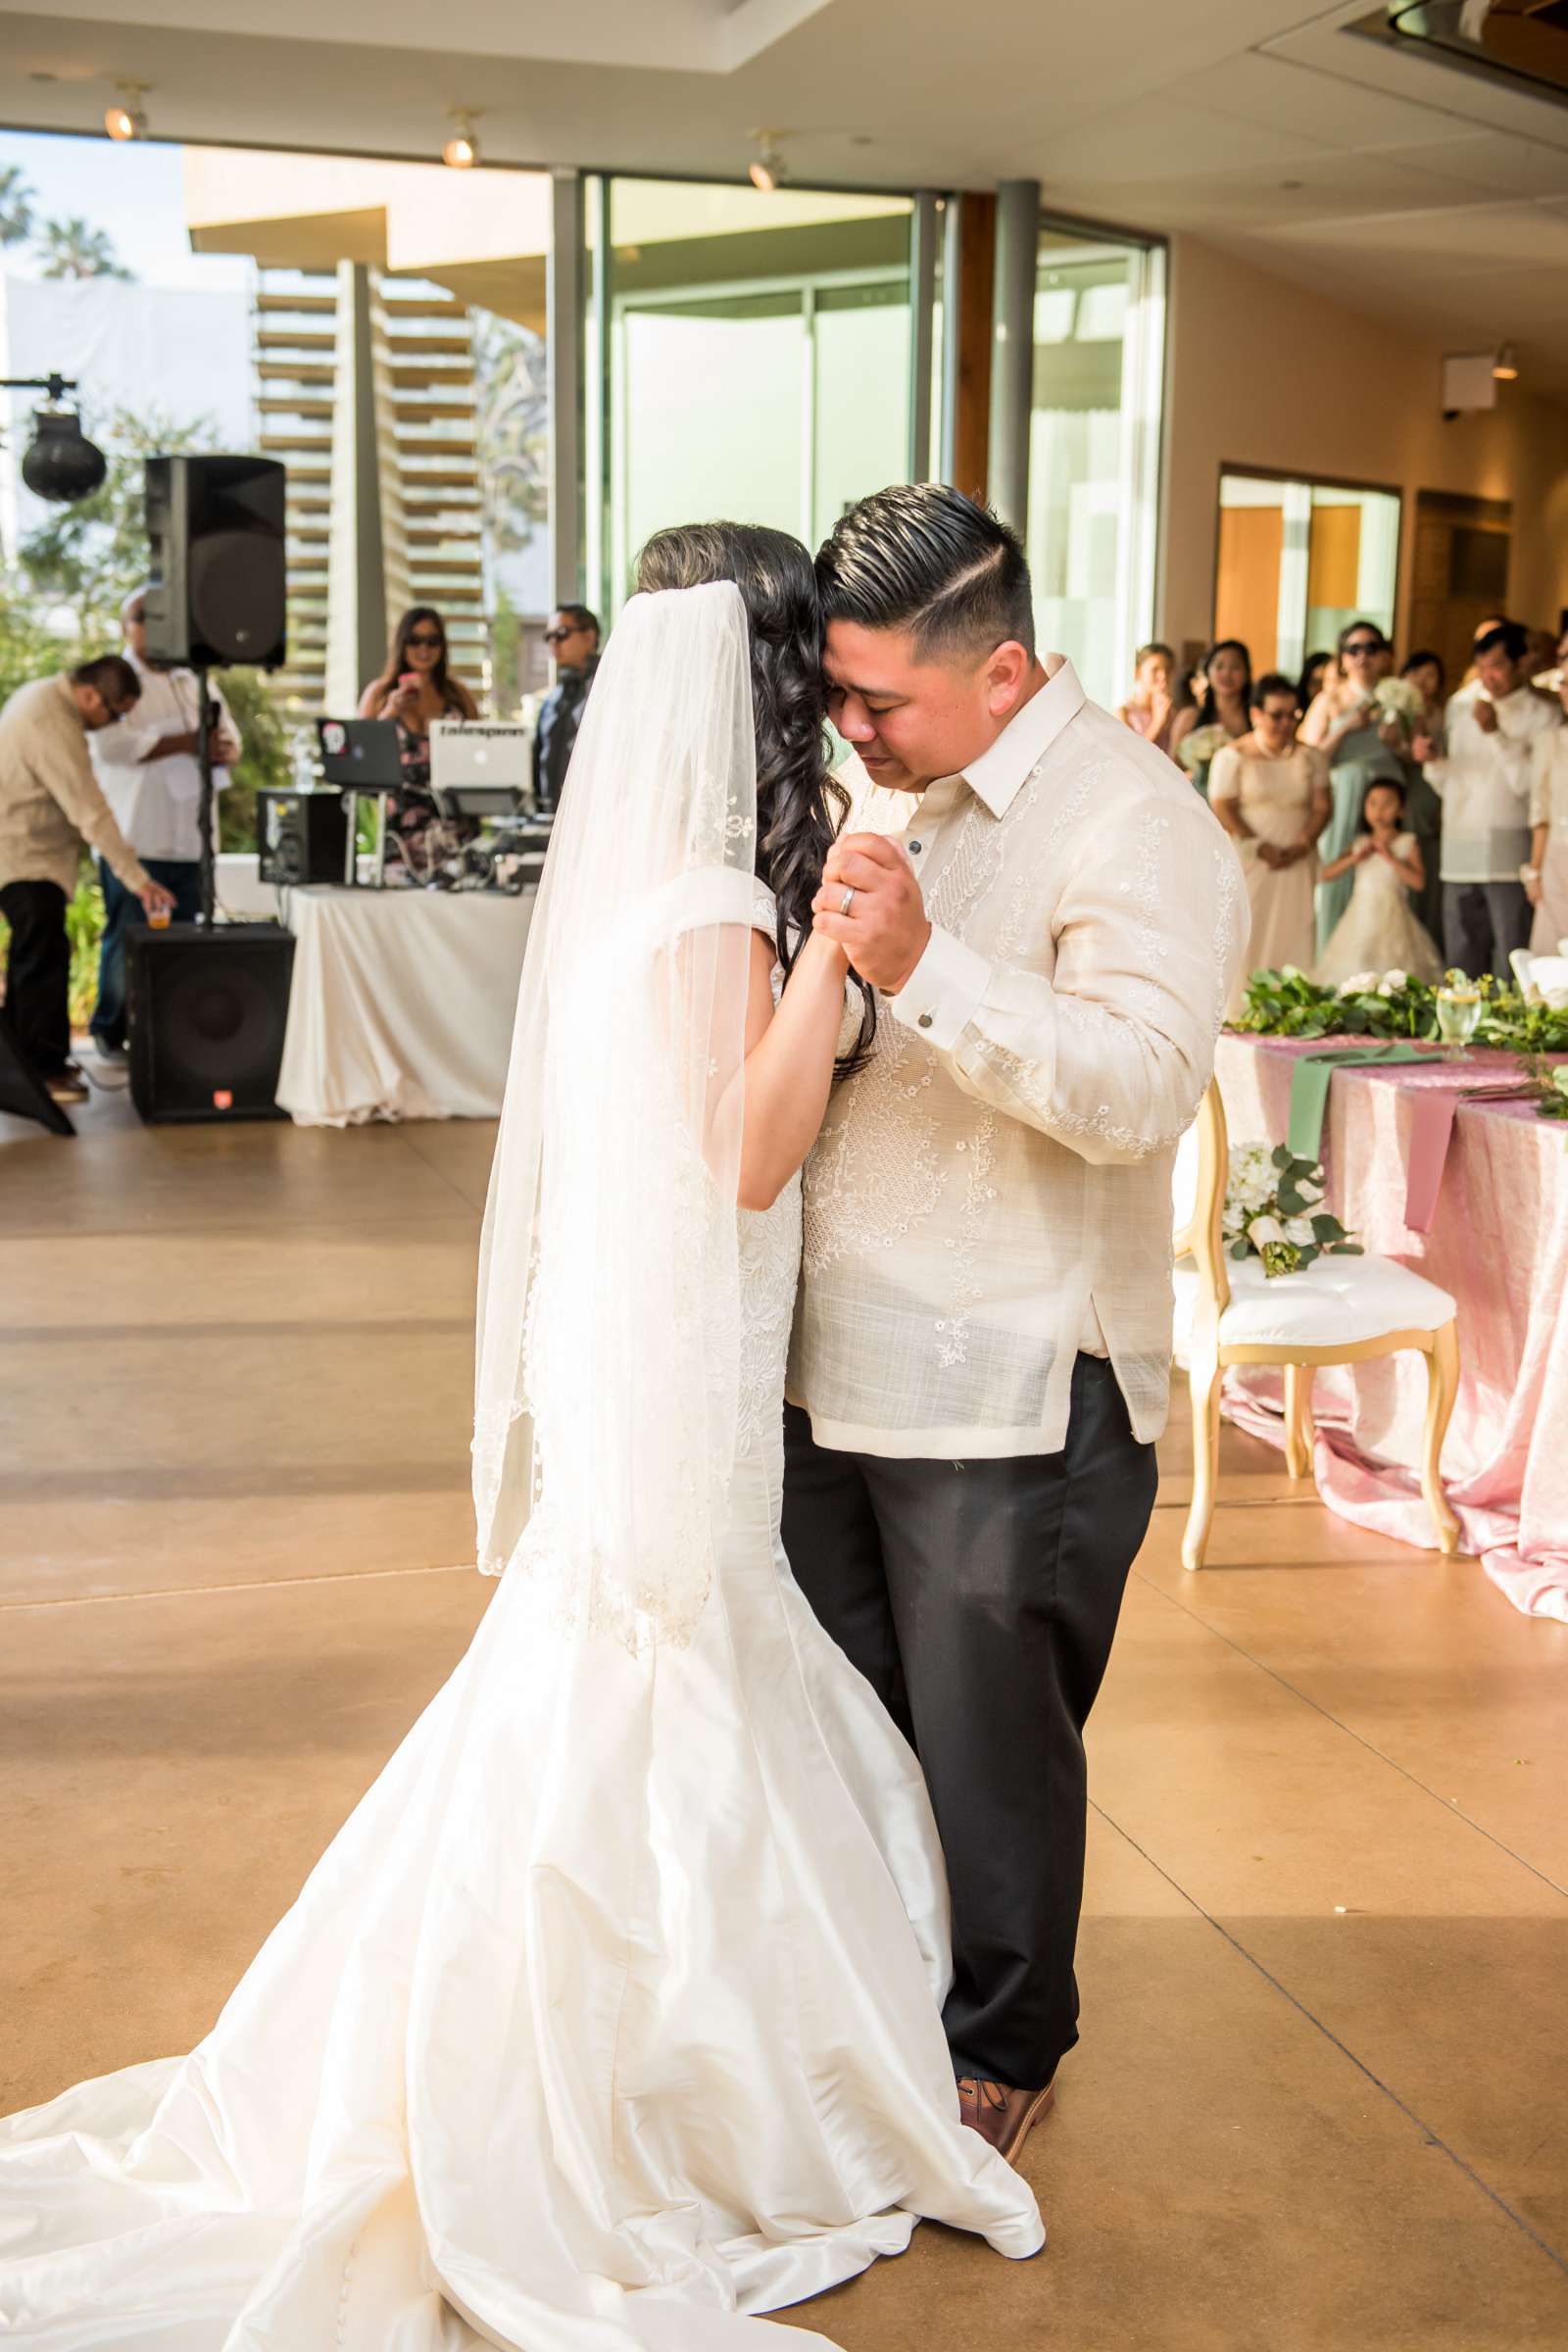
(885, 932)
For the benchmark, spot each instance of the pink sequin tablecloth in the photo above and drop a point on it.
(1499, 1242)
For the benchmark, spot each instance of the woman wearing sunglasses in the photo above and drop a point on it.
(416, 689)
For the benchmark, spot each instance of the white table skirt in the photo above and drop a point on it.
(402, 1004)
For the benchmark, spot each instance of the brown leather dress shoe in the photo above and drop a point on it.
(1001, 2114)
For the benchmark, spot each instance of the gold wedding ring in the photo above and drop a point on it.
(846, 901)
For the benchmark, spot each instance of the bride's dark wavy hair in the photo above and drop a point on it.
(799, 804)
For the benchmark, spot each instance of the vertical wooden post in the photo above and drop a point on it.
(971, 424)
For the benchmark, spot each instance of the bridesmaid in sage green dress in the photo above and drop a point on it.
(1360, 747)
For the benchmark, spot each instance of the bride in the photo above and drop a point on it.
(612, 2013)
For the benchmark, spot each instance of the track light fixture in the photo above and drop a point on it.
(462, 150)
(767, 169)
(127, 118)
(1505, 366)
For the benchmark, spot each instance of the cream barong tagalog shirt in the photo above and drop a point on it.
(994, 1190)
(1484, 782)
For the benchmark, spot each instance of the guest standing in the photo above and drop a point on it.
(1151, 709)
(1315, 669)
(149, 772)
(416, 689)
(1428, 673)
(51, 808)
(573, 640)
(1226, 702)
(1484, 781)
(1379, 931)
(1546, 875)
(1271, 794)
(1344, 722)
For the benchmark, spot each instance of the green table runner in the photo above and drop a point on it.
(1313, 1074)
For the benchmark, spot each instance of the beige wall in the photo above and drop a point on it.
(1263, 373)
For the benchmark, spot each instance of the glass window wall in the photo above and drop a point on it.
(1094, 456)
(750, 355)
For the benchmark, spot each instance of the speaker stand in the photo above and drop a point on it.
(207, 864)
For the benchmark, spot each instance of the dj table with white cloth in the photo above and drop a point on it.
(402, 1004)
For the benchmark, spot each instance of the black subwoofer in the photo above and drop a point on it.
(206, 1015)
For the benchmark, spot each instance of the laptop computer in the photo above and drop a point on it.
(481, 766)
(361, 755)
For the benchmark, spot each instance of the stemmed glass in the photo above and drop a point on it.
(1458, 1013)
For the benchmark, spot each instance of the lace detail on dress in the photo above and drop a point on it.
(769, 1264)
(769, 1269)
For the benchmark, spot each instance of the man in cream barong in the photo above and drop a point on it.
(981, 1355)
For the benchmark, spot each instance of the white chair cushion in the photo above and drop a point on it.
(1336, 1302)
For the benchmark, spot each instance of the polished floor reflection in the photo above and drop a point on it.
(1321, 2095)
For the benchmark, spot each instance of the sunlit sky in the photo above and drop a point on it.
(135, 192)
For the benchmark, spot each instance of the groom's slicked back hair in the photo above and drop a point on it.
(925, 559)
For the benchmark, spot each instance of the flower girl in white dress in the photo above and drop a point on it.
(1380, 930)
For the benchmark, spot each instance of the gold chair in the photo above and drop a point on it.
(1339, 1310)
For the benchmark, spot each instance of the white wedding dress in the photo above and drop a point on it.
(610, 2017)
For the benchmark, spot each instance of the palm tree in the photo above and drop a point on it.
(16, 206)
(76, 249)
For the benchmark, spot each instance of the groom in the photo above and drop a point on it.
(980, 1360)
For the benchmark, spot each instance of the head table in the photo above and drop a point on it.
(1496, 1238)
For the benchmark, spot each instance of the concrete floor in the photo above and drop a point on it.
(1322, 2095)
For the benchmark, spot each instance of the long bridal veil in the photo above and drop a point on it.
(608, 1366)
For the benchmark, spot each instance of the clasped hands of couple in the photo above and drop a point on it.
(870, 903)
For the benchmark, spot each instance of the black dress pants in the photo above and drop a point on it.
(979, 1600)
(1483, 922)
(38, 973)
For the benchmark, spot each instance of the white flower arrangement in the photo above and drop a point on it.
(1391, 983)
(1201, 744)
(1273, 1210)
(1398, 698)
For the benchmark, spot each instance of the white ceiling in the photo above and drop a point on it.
(1418, 193)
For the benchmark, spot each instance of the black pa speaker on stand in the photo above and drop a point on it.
(215, 594)
(206, 1014)
(217, 590)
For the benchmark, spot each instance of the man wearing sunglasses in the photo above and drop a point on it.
(572, 638)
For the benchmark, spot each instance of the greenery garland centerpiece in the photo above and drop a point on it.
(1395, 1004)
